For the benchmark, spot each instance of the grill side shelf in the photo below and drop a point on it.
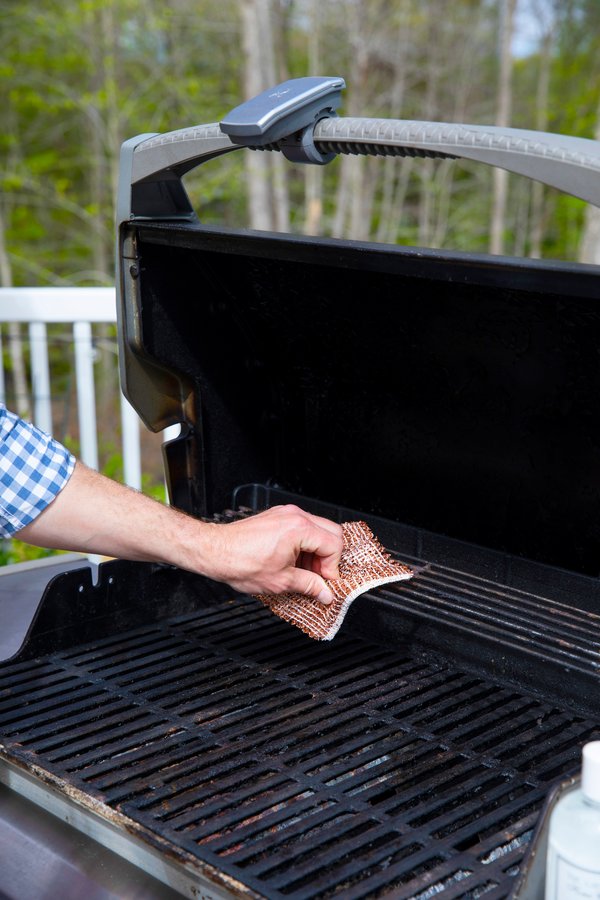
(73, 609)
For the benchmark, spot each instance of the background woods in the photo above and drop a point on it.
(79, 79)
(76, 85)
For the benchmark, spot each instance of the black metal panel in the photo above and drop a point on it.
(454, 393)
(72, 608)
(303, 770)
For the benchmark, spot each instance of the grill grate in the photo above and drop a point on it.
(545, 628)
(300, 769)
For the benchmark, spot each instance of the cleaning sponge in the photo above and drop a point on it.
(364, 565)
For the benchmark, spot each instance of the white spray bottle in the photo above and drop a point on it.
(573, 866)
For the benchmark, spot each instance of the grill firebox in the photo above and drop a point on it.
(299, 769)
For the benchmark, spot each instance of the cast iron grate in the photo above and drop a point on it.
(544, 628)
(301, 769)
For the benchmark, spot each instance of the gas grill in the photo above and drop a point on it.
(450, 401)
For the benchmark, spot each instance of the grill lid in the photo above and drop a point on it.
(451, 392)
(396, 382)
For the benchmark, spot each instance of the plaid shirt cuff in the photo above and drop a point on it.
(34, 468)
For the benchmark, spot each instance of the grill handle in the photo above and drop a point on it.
(569, 163)
(152, 165)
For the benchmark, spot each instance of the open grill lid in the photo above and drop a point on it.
(403, 383)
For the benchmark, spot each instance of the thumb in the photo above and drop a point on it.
(302, 581)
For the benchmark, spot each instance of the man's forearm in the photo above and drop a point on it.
(94, 514)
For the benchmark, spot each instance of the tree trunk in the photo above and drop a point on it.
(268, 204)
(589, 248)
(391, 169)
(541, 124)
(313, 175)
(104, 143)
(399, 198)
(427, 168)
(503, 112)
(350, 202)
(15, 344)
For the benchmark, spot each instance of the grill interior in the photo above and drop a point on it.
(303, 769)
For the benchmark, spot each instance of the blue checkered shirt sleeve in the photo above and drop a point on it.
(33, 469)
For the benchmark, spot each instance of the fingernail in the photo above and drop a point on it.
(325, 597)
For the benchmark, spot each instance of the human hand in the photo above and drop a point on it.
(281, 549)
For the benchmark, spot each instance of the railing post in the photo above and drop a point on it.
(2, 382)
(40, 376)
(86, 398)
(130, 431)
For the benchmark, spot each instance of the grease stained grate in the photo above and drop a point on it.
(302, 770)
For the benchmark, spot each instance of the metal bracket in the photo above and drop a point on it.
(300, 147)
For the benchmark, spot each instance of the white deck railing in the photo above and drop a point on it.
(80, 308)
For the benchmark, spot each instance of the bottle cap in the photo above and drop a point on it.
(590, 772)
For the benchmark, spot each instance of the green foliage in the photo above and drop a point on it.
(112, 467)
(78, 84)
(15, 551)
(154, 488)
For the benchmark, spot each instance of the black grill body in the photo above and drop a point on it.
(286, 767)
(452, 402)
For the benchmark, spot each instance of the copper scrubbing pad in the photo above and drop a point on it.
(364, 565)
